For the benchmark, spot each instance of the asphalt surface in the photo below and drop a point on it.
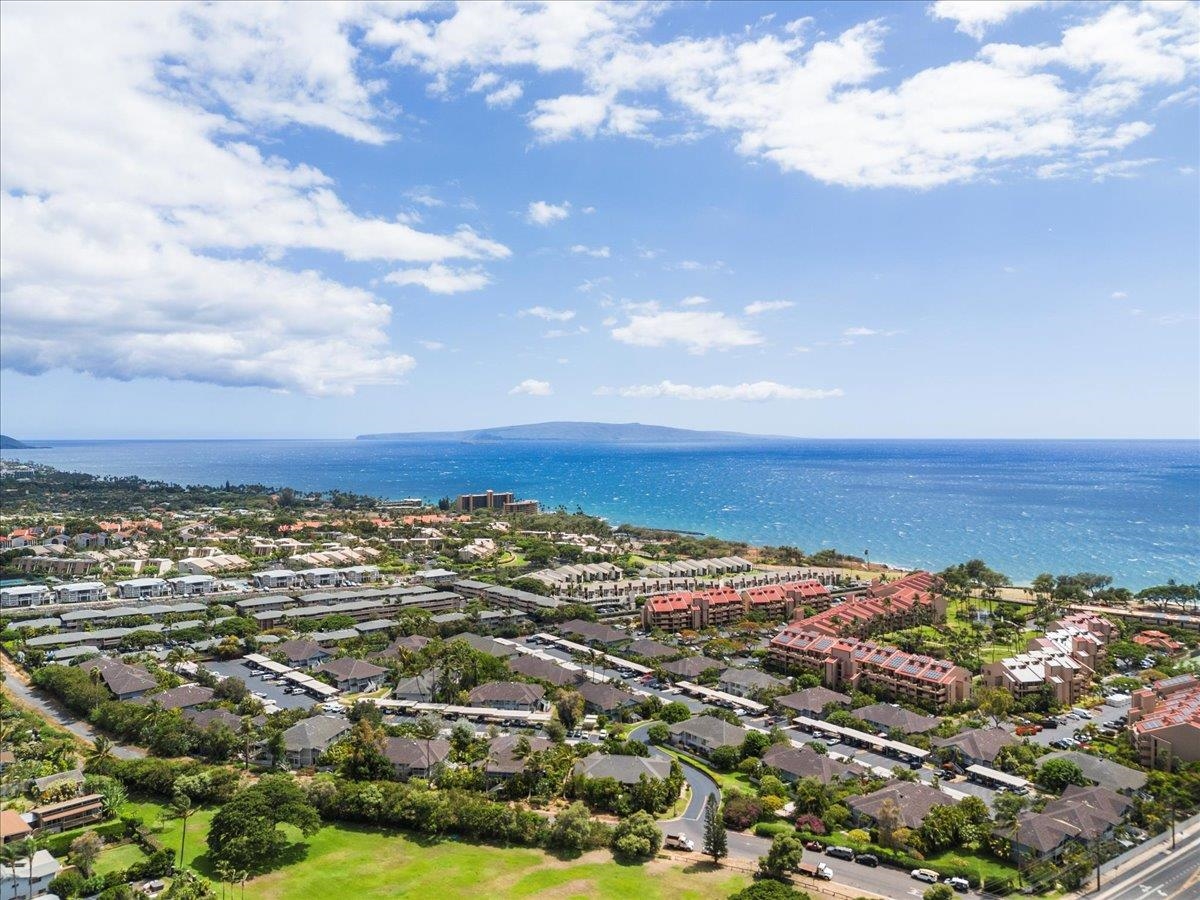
(273, 691)
(52, 710)
(1164, 875)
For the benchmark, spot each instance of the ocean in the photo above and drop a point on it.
(1130, 509)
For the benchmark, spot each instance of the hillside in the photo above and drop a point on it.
(579, 432)
(10, 443)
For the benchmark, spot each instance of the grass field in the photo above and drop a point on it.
(155, 815)
(349, 861)
(978, 863)
(118, 858)
(728, 781)
(345, 861)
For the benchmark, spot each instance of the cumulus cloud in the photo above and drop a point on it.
(547, 314)
(597, 252)
(824, 104)
(432, 346)
(147, 233)
(697, 331)
(542, 213)
(757, 391)
(974, 17)
(533, 388)
(860, 331)
(1119, 295)
(694, 301)
(440, 279)
(758, 307)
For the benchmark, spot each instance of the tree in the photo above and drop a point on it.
(569, 707)
(244, 833)
(181, 805)
(995, 702)
(572, 829)
(725, 758)
(887, 821)
(785, 856)
(101, 752)
(769, 890)
(636, 837)
(84, 851)
(277, 748)
(756, 744)
(364, 759)
(940, 828)
(675, 712)
(716, 843)
(811, 796)
(112, 795)
(658, 733)
(1056, 774)
(938, 892)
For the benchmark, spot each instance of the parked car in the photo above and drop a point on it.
(927, 875)
(845, 853)
(815, 846)
(867, 859)
(959, 883)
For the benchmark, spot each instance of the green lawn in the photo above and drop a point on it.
(168, 829)
(728, 781)
(978, 863)
(351, 861)
(359, 862)
(118, 858)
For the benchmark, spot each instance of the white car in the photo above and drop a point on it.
(927, 875)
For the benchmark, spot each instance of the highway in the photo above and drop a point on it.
(1164, 875)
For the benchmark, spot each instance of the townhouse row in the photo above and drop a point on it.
(725, 605)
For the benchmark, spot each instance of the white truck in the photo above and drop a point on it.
(679, 842)
(820, 871)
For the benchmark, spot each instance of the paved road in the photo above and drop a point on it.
(49, 708)
(1164, 875)
(891, 883)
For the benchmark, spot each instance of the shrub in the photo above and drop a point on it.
(810, 823)
(636, 837)
(770, 829)
(858, 836)
(740, 811)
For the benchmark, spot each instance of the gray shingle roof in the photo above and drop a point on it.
(316, 733)
(715, 732)
(625, 769)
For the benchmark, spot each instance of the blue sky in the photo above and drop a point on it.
(832, 220)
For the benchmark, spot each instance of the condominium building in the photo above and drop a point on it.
(1164, 721)
(142, 588)
(847, 663)
(723, 605)
(487, 500)
(81, 592)
(1061, 662)
(911, 601)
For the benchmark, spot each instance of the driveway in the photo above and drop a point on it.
(50, 709)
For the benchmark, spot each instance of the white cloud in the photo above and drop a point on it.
(440, 279)
(542, 213)
(693, 301)
(824, 105)
(147, 234)
(424, 196)
(547, 314)
(505, 96)
(698, 331)
(533, 388)
(597, 252)
(867, 332)
(974, 17)
(432, 346)
(757, 391)
(758, 307)
(555, 333)
(1119, 295)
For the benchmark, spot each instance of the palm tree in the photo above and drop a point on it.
(102, 750)
(181, 805)
(247, 730)
(427, 729)
(24, 849)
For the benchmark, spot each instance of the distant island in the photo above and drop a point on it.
(580, 432)
(11, 443)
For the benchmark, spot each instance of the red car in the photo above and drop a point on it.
(814, 845)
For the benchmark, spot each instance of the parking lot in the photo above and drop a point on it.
(1100, 716)
(273, 691)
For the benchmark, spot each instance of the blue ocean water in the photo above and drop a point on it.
(1126, 508)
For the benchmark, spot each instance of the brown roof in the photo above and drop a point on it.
(979, 743)
(347, 668)
(120, 677)
(413, 753)
(605, 697)
(813, 699)
(807, 763)
(500, 759)
(544, 670)
(182, 697)
(54, 811)
(12, 826)
(507, 692)
(914, 799)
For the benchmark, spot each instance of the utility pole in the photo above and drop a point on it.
(1172, 821)
(1097, 863)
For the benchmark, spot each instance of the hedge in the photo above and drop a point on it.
(59, 844)
(771, 829)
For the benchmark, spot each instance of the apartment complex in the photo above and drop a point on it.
(1164, 721)
(1061, 663)
(847, 663)
(911, 601)
(487, 500)
(725, 605)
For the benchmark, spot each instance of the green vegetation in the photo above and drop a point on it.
(118, 858)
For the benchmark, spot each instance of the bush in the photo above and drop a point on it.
(770, 829)
(67, 885)
(636, 837)
(810, 823)
(724, 759)
(740, 811)
(938, 892)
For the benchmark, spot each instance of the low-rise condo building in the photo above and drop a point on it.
(1164, 721)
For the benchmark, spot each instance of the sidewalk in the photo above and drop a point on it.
(1155, 848)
